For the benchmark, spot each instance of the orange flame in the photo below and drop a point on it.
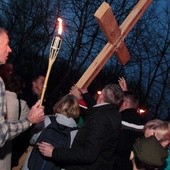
(99, 92)
(60, 26)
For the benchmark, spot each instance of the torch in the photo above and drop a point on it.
(55, 47)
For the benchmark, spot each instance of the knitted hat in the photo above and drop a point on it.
(150, 152)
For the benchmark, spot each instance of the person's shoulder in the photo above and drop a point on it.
(11, 94)
(48, 119)
(1, 82)
(27, 93)
(109, 109)
(131, 116)
(24, 104)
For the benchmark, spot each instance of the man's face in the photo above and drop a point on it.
(40, 82)
(4, 48)
(38, 85)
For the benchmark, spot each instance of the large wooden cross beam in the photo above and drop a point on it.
(115, 36)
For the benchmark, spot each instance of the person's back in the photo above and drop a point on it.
(95, 143)
(131, 130)
(126, 141)
(66, 110)
(106, 122)
(15, 105)
(10, 130)
(16, 110)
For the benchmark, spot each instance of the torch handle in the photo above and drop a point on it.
(46, 80)
(55, 47)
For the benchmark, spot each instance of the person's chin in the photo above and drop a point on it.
(3, 62)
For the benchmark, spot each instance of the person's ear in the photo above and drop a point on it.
(165, 143)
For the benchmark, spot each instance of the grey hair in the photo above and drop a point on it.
(113, 94)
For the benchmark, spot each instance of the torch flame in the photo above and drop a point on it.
(60, 26)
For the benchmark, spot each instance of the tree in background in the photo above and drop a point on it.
(31, 25)
(150, 64)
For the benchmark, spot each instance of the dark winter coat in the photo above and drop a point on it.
(127, 138)
(95, 143)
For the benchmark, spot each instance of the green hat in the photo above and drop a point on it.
(150, 152)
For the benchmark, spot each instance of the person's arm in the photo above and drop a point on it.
(85, 154)
(84, 97)
(123, 84)
(89, 99)
(9, 130)
(75, 91)
(36, 114)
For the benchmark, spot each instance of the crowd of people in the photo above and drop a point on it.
(112, 134)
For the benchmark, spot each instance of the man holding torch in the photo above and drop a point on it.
(9, 130)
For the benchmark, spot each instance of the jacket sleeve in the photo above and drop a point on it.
(89, 100)
(87, 152)
(10, 130)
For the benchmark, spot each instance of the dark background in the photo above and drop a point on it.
(31, 26)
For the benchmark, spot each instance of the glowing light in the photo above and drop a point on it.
(55, 47)
(142, 111)
(60, 26)
(99, 92)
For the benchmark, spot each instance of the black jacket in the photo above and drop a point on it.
(95, 143)
(127, 138)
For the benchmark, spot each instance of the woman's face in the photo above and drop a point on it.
(150, 132)
(165, 143)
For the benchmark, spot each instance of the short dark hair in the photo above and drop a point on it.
(14, 83)
(36, 77)
(132, 97)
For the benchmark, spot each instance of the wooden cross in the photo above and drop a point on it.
(115, 36)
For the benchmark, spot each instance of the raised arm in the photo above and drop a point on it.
(123, 84)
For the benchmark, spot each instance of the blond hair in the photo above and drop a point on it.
(68, 106)
(160, 128)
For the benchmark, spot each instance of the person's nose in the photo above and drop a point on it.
(9, 49)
